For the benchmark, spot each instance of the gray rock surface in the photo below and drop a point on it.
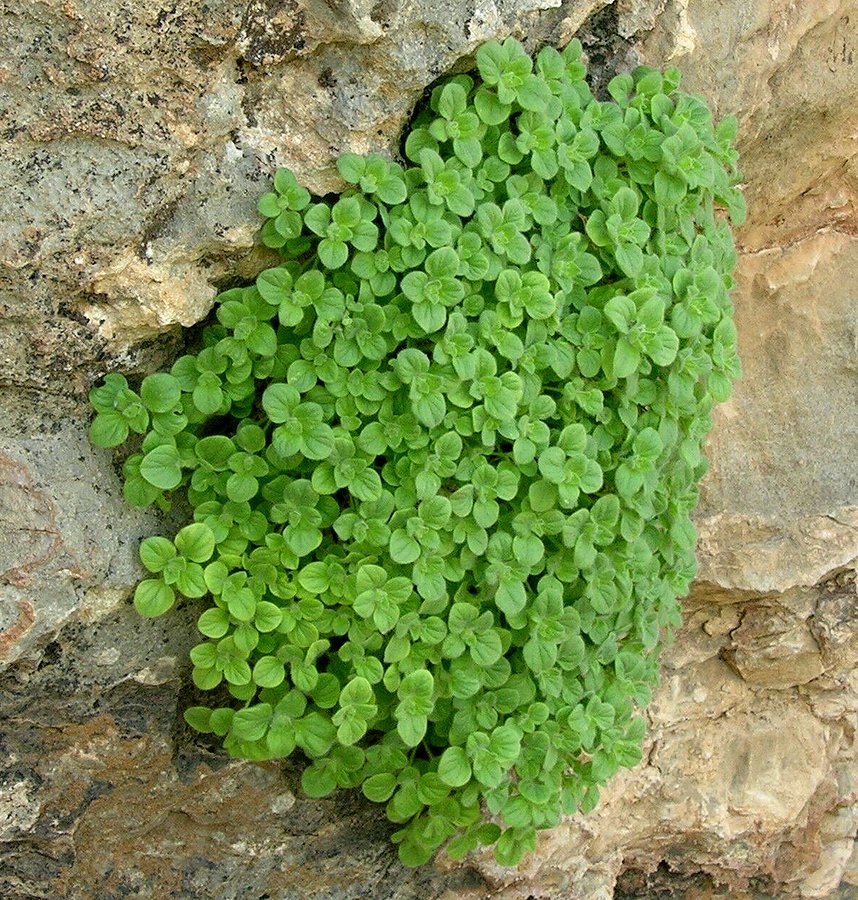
(137, 138)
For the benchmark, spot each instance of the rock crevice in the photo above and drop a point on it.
(137, 141)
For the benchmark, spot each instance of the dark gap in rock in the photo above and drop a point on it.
(51, 655)
(140, 710)
(606, 50)
(666, 883)
(156, 227)
(383, 11)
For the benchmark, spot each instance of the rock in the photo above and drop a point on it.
(795, 521)
(137, 142)
(738, 781)
(850, 874)
(825, 879)
(66, 532)
(787, 71)
(774, 648)
(140, 143)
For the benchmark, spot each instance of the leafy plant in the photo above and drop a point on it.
(442, 458)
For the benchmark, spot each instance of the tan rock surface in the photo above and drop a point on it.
(787, 435)
(743, 786)
(787, 70)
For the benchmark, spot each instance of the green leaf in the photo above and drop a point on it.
(487, 770)
(351, 167)
(267, 205)
(430, 409)
(199, 718)
(392, 190)
(316, 734)
(403, 548)
(317, 441)
(379, 788)
(454, 768)
(513, 845)
(511, 597)
(314, 577)
(191, 582)
(245, 637)
(242, 605)
(241, 487)
(411, 729)
(214, 623)
(279, 402)
(486, 648)
(160, 392)
(195, 542)
(432, 790)
(153, 598)
(268, 672)
(626, 359)
(669, 190)
(274, 285)
(104, 398)
(162, 467)
(326, 693)
(429, 316)
(215, 575)
(156, 552)
(414, 853)
(267, 616)
(552, 463)
(333, 254)
(357, 691)
(533, 94)
(663, 346)
(206, 679)
(251, 724)
(629, 258)
(366, 485)
(418, 687)
(208, 395)
(319, 780)
(108, 429)
(215, 451)
(621, 312)
(540, 656)
(489, 108)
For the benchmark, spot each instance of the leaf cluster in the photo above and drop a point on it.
(442, 458)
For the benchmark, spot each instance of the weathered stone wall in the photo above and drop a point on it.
(136, 139)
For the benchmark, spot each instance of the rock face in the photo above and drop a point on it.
(137, 139)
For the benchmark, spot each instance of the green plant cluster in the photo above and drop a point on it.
(441, 460)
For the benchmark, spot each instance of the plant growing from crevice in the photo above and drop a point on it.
(441, 459)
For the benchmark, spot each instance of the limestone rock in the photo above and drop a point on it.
(783, 435)
(139, 143)
(740, 782)
(787, 70)
(775, 649)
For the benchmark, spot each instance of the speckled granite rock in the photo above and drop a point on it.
(140, 136)
(137, 138)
